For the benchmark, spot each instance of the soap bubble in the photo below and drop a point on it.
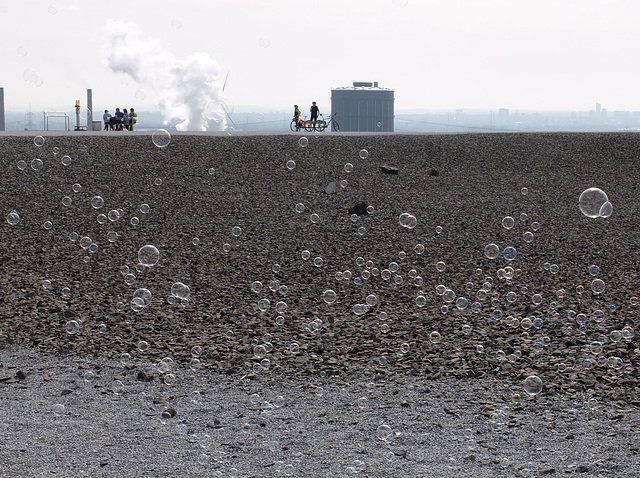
(509, 253)
(161, 138)
(72, 327)
(532, 385)
(13, 218)
(407, 220)
(38, 141)
(329, 296)
(303, 142)
(348, 167)
(598, 286)
(508, 222)
(363, 154)
(66, 160)
(180, 290)
(591, 202)
(491, 251)
(594, 270)
(97, 202)
(384, 432)
(264, 42)
(148, 255)
(291, 165)
(37, 164)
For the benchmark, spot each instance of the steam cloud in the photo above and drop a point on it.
(188, 90)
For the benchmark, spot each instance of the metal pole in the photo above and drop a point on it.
(89, 110)
(2, 109)
(77, 116)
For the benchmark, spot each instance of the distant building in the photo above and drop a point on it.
(503, 116)
(363, 107)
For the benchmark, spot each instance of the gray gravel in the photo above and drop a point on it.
(234, 426)
(454, 406)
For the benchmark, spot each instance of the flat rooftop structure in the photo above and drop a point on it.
(365, 106)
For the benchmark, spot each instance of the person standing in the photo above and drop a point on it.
(296, 116)
(106, 117)
(314, 113)
(133, 117)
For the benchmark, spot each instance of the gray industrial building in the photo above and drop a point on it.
(363, 107)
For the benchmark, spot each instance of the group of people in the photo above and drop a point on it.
(315, 111)
(120, 120)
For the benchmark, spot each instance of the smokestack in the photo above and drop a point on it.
(2, 109)
(89, 110)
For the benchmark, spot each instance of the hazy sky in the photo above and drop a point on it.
(435, 54)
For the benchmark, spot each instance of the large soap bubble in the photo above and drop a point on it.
(148, 255)
(532, 385)
(161, 138)
(593, 202)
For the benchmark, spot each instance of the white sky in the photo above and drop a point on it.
(435, 54)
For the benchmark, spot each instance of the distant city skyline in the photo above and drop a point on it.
(435, 55)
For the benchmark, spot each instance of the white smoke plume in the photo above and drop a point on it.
(187, 90)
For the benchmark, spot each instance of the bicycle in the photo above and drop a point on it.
(301, 126)
(322, 124)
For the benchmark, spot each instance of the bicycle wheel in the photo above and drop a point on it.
(293, 125)
(308, 126)
(321, 126)
(335, 126)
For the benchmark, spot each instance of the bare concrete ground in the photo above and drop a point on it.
(61, 421)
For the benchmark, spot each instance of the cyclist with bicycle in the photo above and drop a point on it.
(296, 117)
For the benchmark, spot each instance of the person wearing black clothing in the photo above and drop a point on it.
(314, 113)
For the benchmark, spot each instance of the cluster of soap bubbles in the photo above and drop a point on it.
(593, 202)
(407, 220)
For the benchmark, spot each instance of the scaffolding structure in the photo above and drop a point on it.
(56, 114)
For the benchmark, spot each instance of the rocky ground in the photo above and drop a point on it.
(74, 308)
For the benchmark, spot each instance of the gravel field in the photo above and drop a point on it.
(230, 328)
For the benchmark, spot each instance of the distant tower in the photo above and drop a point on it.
(363, 107)
(2, 109)
(29, 118)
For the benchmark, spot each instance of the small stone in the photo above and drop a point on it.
(360, 209)
(104, 463)
(471, 457)
(405, 404)
(331, 188)
(47, 378)
(547, 471)
(66, 391)
(21, 375)
(145, 377)
(389, 170)
(159, 400)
